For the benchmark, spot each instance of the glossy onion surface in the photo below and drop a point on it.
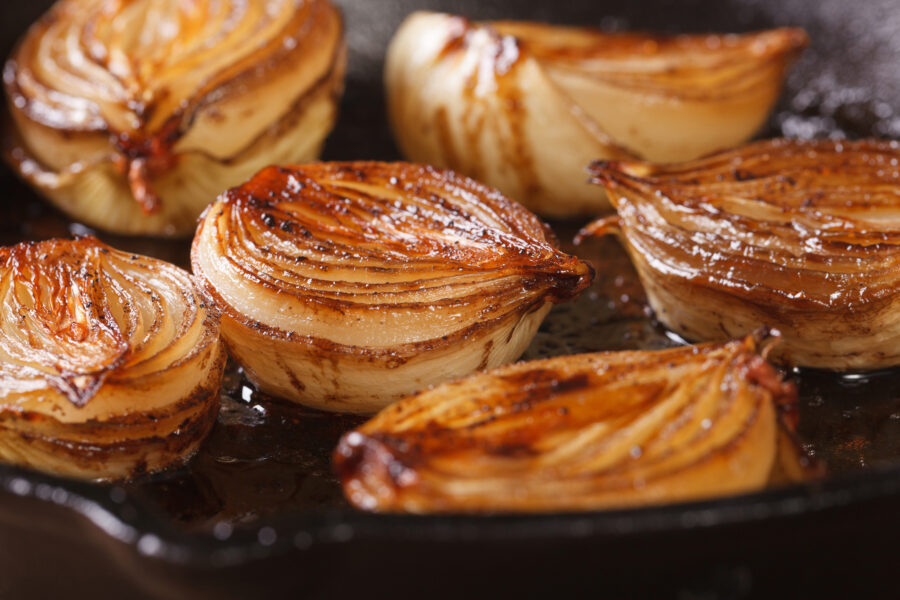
(581, 432)
(132, 115)
(525, 107)
(346, 286)
(110, 363)
(800, 236)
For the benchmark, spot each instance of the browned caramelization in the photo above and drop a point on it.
(526, 106)
(803, 236)
(144, 103)
(110, 363)
(582, 432)
(348, 285)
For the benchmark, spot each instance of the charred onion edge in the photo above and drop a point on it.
(818, 215)
(355, 240)
(87, 457)
(357, 449)
(120, 439)
(136, 166)
(200, 299)
(556, 294)
(179, 121)
(16, 154)
(791, 41)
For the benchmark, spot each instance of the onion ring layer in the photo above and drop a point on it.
(525, 107)
(802, 236)
(582, 432)
(132, 115)
(110, 363)
(345, 286)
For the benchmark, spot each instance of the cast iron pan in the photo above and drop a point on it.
(259, 510)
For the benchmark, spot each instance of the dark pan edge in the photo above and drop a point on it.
(113, 512)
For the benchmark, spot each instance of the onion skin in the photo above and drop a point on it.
(132, 116)
(110, 363)
(801, 236)
(525, 107)
(582, 432)
(346, 286)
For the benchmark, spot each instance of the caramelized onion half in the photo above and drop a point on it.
(803, 236)
(526, 106)
(110, 363)
(132, 116)
(346, 286)
(580, 432)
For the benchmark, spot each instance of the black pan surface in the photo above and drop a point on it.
(260, 510)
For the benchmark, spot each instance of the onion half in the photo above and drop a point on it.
(110, 363)
(346, 286)
(133, 116)
(582, 432)
(526, 106)
(802, 236)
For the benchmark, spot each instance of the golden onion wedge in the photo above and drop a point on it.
(802, 236)
(346, 286)
(525, 107)
(133, 116)
(110, 363)
(582, 432)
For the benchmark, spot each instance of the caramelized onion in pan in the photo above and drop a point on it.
(582, 432)
(132, 116)
(525, 107)
(110, 363)
(803, 236)
(346, 286)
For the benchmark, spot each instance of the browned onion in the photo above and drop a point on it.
(133, 115)
(346, 286)
(583, 432)
(525, 106)
(803, 236)
(110, 363)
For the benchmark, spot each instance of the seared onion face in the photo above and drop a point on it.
(110, 363)
(582, 432)
(132, 116)
(346, 286)
(800, 236)
(526, 106)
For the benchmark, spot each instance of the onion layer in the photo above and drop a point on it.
(346, 286)
(110, 363)
(526, 106)
(132, 116)
(800, 236)
(578, 432)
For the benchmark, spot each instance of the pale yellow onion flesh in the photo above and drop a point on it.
(581, 432)
(346, 286)
(802, 236)
(133, 116)
(110, 363)
(525, 107)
